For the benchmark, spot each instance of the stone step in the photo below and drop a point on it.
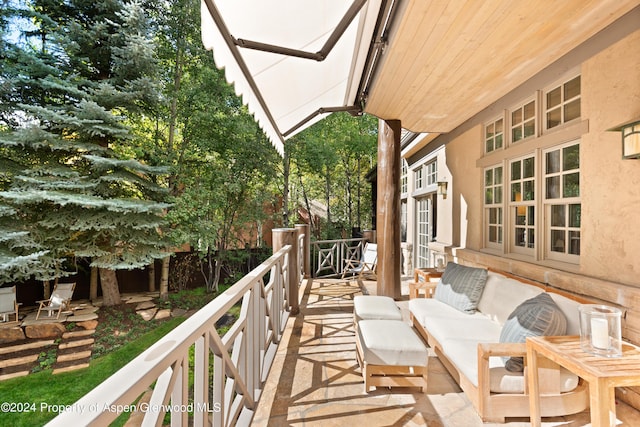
(14, 375)
(74, 356)
(27, 346)
(76, 343)
(18, 361)
(75, 334)
(70, 368)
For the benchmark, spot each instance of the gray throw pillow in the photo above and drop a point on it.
(537, 316)
(461, 287)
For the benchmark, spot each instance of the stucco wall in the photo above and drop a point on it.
(610, 187)
(466, 192)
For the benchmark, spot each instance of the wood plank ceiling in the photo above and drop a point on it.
(449, 59)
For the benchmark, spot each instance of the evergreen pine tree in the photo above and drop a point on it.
(78, 195)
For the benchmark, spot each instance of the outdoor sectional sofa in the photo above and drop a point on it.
(471, 312)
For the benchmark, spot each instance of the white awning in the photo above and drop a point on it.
(432, 64)
(273, 52)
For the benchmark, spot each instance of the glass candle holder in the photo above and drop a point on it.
(600, 330)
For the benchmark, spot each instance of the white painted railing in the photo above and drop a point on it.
(329, 256)
(195, 374)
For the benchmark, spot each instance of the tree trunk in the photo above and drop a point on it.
(164, 278)
(46, 289)
(308, 205)
(210, 273)
(216, 275)
(109, 284)
(348, 191)
(285, 190)
(327, 195)
(93, 284)
(151, 270)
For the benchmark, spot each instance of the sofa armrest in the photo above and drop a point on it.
(548, 371)
(511, 349)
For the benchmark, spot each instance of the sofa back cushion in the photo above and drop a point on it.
(461, 287)
(538, 316)
(569, 308)
(502, 295)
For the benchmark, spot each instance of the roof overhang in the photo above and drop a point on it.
(430, 64)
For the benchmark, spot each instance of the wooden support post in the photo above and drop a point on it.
(281, 238)
(388, 269)
(306, 249)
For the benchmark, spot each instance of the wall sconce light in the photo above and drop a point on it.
(442, 189)
(630, 139)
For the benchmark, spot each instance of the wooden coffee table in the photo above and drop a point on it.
(602, 373)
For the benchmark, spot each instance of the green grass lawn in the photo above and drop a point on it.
(35, 399)
(29, 397)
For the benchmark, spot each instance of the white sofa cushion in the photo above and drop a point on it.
(502, 295)
(570, 309)
(391, 342)
(423, 308)
(375, 307)
(463, 353)
(461, 286)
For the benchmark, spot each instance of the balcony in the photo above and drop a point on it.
(315, 378)
(274, 368)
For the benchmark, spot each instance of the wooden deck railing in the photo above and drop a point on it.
(329, 256)
(195, 375)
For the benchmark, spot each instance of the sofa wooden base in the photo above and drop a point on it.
(495, 407)
(391, 375)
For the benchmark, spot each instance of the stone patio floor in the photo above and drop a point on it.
(315, 379)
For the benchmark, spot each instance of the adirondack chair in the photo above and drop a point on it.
(8, 303)
(60, 299)
(365, 265)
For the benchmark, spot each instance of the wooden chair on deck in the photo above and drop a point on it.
(365, 265)
(60, 299)
(8, 303)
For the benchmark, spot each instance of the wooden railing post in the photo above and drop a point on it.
(303, 229)
(281, 238)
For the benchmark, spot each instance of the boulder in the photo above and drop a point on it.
(137, 298)
(177, 312)
(88, 324)
(82, 317)
(165, 313)
(44, 330)
(148, 314)
(11, 334)
(145, 305)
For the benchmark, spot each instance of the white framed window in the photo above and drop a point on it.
(522, 206)
(493, 203)
(404, 177)
(523, 121)
(563, 208)
(493, 135)
(425, 175)
(432, 173)
(562, 103)
(418, 181)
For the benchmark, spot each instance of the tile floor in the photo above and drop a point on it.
(315, 379)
